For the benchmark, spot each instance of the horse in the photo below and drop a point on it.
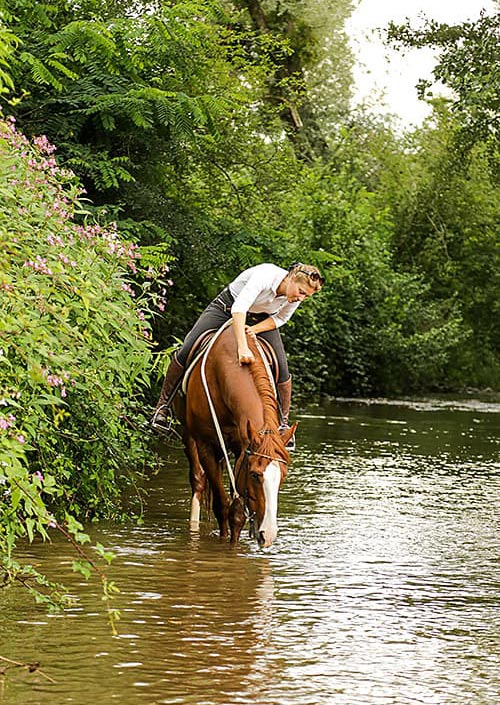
(247, 413)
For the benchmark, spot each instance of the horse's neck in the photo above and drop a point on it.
(267, 396)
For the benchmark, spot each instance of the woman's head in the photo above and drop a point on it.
(301, 282)
(307, 274)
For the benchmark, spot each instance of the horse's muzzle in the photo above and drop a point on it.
(266, 538)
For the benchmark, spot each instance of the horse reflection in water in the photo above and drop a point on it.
(246, 409)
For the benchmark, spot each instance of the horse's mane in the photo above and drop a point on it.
(264, 387)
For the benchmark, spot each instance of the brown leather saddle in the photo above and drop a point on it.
(202, 344)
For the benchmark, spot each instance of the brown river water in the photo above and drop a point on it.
(383, 587)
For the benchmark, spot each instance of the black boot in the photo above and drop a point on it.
(285, 398)
(162, 417)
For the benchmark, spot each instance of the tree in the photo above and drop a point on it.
(468, 65)
(152, 110)
(312, 66)
(447, 222)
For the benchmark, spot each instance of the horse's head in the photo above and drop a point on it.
(264, 466)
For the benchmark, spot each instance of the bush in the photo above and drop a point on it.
(75, 351)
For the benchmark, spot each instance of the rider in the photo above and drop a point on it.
(259, 301)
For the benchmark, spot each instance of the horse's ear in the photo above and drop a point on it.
(286, 435)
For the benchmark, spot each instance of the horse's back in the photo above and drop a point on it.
(232, 388)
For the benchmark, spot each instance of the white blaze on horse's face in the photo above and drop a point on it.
(268, 528)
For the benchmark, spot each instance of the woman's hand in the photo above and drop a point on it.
(250, 332)
(245, 355)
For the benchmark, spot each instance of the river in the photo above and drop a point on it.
(383, 587)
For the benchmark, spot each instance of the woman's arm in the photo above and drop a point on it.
(261, 327)
(245, 355)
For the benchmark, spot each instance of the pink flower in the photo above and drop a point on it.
(126, 287)
(8, 422)
(20, 438)
(39, 264)
(44, 145)
(58, 381)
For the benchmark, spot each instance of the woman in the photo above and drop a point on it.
(259, 301)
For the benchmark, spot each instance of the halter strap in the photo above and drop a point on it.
(249, 451)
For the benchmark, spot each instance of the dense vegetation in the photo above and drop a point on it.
(75, 353)
(210, 135)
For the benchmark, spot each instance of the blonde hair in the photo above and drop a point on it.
(308, 274)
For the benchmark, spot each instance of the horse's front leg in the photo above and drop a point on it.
(237, 519)
(220, 501)
(197, 479)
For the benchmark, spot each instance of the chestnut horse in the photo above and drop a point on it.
(246, 409)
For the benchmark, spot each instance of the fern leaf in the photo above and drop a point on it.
(56, 64)
(39, 72)
(108, 121)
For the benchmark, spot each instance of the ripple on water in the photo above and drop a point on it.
(382, 588)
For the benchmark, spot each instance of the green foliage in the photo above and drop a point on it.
(131, 77)
(447, 229)
(468, 64)
(372, 328)
(141, 94)
(8, 44)
(217, 135)
(75, 352)
(310, 81)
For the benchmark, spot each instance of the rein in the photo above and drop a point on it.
(212, 408)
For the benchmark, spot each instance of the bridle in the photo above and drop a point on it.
(249, 451)
(244, 466)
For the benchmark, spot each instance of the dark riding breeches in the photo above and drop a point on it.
(215, 315)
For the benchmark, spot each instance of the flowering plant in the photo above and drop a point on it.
(75, 351)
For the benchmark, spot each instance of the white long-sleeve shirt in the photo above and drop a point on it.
(255, 290)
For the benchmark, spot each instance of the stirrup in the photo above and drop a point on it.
(163, 422)
(291, 441)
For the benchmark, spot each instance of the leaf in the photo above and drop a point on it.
(82, 567)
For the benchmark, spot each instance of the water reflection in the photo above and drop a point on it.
(382, 589)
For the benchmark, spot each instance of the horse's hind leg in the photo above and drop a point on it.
(220, 501)
(198, 481)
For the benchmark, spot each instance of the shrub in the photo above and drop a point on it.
(75, 351)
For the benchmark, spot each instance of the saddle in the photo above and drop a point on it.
(202, 343)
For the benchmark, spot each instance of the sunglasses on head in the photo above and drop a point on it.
(314, 276)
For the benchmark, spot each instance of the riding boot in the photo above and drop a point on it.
(162, 417)
(285, 398)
